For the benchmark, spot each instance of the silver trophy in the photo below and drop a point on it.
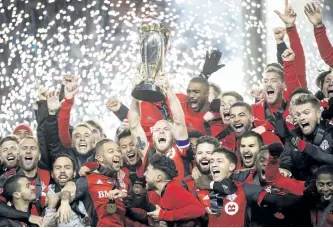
(153, 45)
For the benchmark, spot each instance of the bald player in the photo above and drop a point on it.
(169, 139)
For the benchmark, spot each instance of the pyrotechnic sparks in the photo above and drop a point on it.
(40, 41)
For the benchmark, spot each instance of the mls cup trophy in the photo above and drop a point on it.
(153, 45)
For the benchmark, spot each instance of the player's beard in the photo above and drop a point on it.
(202, 171)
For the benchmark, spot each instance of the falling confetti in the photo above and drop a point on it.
(97, 41)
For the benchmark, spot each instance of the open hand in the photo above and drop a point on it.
(71, 89)
(53, 102)
(289, 15)
(67, 79)
(314, 14)
(64, 212)
(211, 64)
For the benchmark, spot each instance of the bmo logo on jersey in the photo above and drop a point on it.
(103, 194)
(231, 208)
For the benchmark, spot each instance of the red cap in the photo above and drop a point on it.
(22, 126)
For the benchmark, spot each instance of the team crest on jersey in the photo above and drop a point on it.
(99, 181)
(324, 145)
(232, 197)
(149, 119)
(231, 208)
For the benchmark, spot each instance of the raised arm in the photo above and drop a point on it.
(297, 47)
(118, 108)
(137, 131)
(286, 163)
(289, 17)
(315, 16)
(42, 113)
(281, 46)
(290, 72)
(273, 176)
(315, 152)
(179, 128)
(65, 112)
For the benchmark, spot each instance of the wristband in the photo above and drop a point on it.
(183, 143)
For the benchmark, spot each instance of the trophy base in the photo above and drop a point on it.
(149, 92)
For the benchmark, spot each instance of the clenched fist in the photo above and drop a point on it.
(288, 55)
(279, 34)
(113, 104)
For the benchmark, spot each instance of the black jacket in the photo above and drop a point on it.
(56, 148)
(41, 116)
(318, 151)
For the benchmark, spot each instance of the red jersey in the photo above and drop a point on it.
(98, 186)
(177, 204)
(324, 104)
(217, 126)
(232, 143)
(41, 183)
(324, 45)
(260, 118)
(176, 154)
(261, 111)
(150, 114)
(299, 63)
(273, 177)
(189, 184)
(233, 212)
(194, 120)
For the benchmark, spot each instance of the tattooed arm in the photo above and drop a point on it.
(137, 131)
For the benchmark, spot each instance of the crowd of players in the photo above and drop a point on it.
(206, 158)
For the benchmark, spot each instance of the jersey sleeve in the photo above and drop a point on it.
(182, 146)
